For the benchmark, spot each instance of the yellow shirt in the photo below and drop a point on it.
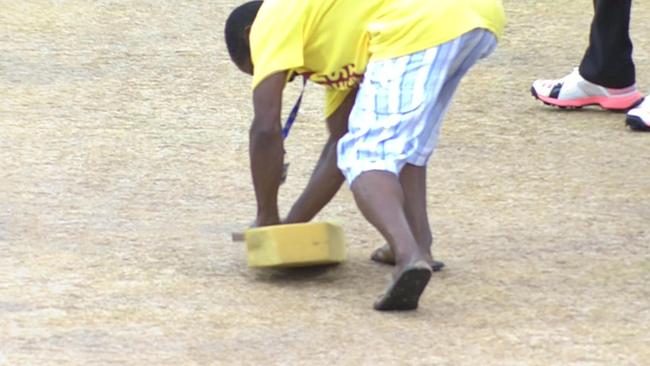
(331, 41)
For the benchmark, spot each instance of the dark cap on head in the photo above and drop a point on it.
(239, 20)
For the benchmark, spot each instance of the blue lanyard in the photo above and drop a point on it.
(287, 126)
(294, 111)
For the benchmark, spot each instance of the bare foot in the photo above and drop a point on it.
(385, 255)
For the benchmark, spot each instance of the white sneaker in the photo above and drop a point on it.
(638, 118)
(573, 91)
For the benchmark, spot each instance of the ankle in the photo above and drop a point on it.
(425, 241)
(404, 259)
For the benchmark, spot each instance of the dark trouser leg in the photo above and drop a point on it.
(608, 60)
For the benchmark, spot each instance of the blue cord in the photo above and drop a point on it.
(294, 111)
(287, 126)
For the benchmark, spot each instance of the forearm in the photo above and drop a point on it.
(265, 147)
(325, 181)
(326, 178)
(266, 158)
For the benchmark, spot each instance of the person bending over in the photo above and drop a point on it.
(390, 69)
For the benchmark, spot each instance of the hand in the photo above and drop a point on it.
(241, 235)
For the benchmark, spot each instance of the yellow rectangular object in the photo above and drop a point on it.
(295, 245)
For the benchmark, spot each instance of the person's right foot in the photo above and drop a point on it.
(573, 91)
(638, 118)
(406, 288)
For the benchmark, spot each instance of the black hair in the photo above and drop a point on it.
(236, 39)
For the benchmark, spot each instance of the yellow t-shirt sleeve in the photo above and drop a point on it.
(276, 38)
(333, 100)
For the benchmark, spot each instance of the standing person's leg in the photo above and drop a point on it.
(606, 74)
(608, 59)
(638, 118)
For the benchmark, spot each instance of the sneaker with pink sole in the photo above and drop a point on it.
(573, 91)
(638, 118)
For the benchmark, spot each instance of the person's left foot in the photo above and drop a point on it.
(407, 287)
(385, 255)
(638, 118)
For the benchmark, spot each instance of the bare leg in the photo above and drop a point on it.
(380, 198)
(415, 207)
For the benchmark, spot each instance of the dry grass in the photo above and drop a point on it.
(123, 169)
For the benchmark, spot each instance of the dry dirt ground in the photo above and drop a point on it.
(123, 169)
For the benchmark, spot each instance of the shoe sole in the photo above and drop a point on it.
(404, 293)
(620, 104)
(636, 124)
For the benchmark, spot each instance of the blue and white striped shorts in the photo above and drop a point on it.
(401, 102)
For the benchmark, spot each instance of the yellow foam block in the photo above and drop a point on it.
(295, 245)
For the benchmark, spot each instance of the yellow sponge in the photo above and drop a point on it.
(295, 245)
